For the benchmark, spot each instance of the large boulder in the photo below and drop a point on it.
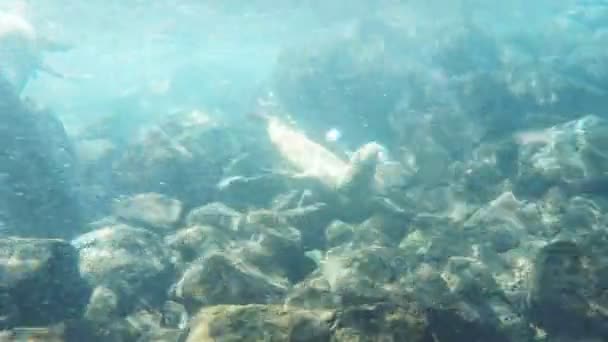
(38, 172)
(150, 210)
(568, 155)
(132, 263)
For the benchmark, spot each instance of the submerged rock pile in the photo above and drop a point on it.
(217, 232)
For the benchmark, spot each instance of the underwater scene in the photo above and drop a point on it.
(304, 170)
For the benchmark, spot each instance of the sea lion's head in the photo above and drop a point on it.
(20, 54)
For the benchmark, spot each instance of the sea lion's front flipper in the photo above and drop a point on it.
(54, 45)
(71, 77)
(51, 71)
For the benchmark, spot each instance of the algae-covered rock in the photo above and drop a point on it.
(310, 217)
(131, 261)
(140, 325)
(381, 321)
(455, 308)
(454, 278)
(215, 214)
(197, 241)
(268, 322)
(156, 211)
(380, 229)
(478, 300)
(469, 278)
(223, 278)
(353, 276)
(182, 156)
(507, 220)
(506, 209)
(314, 292)
(567, 155)
(277, 251)
(163, 335)
(435, 246)
(259, 323)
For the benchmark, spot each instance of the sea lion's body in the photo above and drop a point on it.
(21, 50)
(313, 160)
(305, 155)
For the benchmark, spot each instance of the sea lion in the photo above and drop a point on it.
(22, 49)
(312, 160)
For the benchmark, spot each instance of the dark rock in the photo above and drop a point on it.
(461, 322)
(563, 298)
(503, 240)
(174, 315)
(38, 172)
(40, 282)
